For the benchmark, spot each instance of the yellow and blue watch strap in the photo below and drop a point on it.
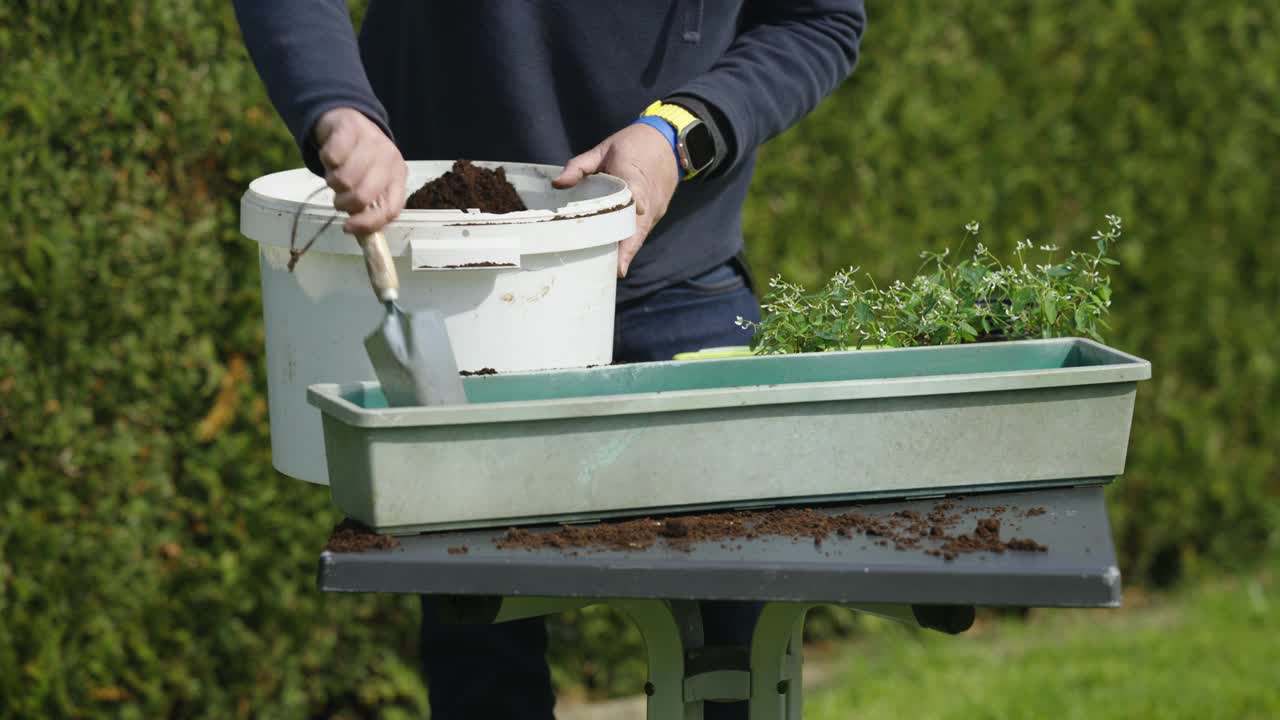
(669, 119)
(674, 114)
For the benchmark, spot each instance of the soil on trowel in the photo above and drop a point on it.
(935, 533)
(467, 186)
(350, 536)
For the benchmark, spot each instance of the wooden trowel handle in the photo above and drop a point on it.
(381, 266)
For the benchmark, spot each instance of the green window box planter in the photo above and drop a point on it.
(587, 443)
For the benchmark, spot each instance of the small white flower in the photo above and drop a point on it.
(1049, 248)
(981, 249)
(972, 227)
(738, 321)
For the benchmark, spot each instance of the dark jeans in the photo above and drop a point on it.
(499, 672)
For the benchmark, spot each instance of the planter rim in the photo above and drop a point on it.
(1118, 368)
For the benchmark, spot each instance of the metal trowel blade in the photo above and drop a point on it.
(413, 359)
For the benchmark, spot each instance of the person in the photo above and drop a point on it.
(672, 96)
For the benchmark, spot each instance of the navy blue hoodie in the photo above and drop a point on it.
(542, 80)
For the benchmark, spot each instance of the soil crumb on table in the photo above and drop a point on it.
(481, 371)
(467, 186)
(351, 536)
(937, 532)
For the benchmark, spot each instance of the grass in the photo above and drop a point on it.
(1211, 651)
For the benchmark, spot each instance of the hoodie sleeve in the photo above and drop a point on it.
(305, 51)
(788, 56)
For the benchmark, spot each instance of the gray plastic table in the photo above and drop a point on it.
(660, 588)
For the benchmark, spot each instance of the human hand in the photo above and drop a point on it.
(642, 157)
(364, 168)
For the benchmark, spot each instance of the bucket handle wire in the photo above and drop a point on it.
(296, 254)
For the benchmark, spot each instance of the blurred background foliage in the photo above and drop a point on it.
(152, 564)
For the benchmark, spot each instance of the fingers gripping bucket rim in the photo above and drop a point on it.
(531, 290)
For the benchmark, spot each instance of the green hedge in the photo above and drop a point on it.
(151, 562)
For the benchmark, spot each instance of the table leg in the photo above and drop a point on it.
(777, 647)
(684, 672)
(669, 628)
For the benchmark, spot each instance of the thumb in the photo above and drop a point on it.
(581, 166)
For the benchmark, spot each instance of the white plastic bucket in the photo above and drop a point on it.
(531, 290)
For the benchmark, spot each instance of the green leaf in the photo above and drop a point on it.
(973, 274)
(1082, 317)
(1109, 261)
(1049, 304)
(1060, 271)
(1022, 297)
(863, 313)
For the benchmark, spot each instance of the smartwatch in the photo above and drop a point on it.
(695, 147)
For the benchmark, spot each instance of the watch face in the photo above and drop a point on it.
(700, 145)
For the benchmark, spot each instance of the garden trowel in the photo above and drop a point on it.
(410, 352)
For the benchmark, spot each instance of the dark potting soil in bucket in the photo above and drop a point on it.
(467, 186)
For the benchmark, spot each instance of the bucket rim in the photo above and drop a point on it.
(288, 190)
(600, 211)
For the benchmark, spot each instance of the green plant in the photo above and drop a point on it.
(978, 298)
